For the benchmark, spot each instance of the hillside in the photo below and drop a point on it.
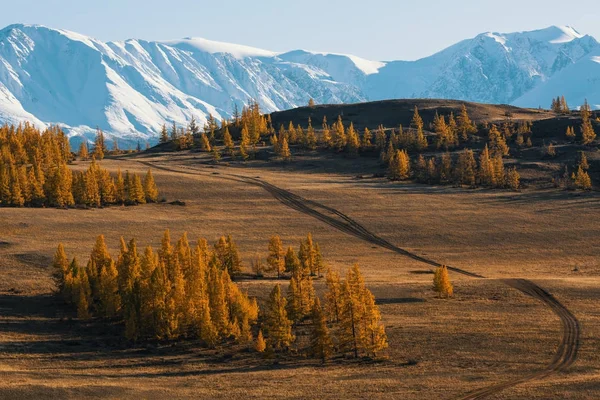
(392, 113)
(130, 88)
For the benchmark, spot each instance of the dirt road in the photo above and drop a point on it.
(571, 332)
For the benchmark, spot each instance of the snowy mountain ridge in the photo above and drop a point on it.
(130, 88)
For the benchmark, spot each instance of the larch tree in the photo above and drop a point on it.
(276, 258)
(228, 141)
(464, 124)
(99, 145)
(84, 154)
(441, 282)
(260, 345)
(276, 323)
(333, 296)
(164, 134)
(587, 130)
(513, 179)
(466, 168)
(150, 189)
(400, 166)
(292, 263)
(284, 150)
(352, 140)
(60, 267)
(321, 345)
(582, 179)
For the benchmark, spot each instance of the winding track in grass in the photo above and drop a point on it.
(566, 353)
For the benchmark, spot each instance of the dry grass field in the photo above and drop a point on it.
(488, 333)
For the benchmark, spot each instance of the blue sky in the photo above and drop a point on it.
(374, 29)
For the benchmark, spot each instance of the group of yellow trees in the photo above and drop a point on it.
(489, 172)
(95, 187)
(309, 258)
(559, 105)
(34, 172)
(182, 291)
(579, 179)
(175, 292)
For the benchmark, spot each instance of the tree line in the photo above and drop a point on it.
(184, 291)
(395, 147)
(34, 172)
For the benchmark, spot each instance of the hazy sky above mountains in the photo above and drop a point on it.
(375, 29)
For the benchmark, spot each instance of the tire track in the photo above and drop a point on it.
(566, 353)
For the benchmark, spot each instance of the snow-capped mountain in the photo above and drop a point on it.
(129, 89)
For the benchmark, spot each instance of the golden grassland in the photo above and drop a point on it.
(488, 333)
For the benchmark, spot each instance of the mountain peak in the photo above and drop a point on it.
(553, 34)
(211, 46)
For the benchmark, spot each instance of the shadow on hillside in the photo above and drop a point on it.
(42, 326)
(399, 300)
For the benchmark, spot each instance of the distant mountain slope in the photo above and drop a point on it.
(52, 76)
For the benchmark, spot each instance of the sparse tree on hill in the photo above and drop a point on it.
(205, 143)
(284, 150)
(352, 140)
(228, 141)
(311, 137)
(465, 125)
(400, 166)
(99, 145)
(513, 179)
(441, 282)
(164, 134)
(582, 179)
(466, 168)
(587, 130)
(326, 134)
